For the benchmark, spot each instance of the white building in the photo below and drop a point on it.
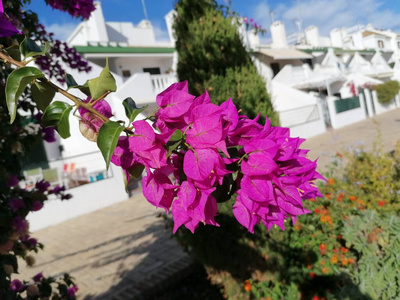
(142, 67)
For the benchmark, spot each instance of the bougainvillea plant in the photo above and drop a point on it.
(195, 154)
(200, 152)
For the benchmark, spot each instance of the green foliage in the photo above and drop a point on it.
(377, 240)
(57, 116)
(347, 248)
(29, 48)
(213, 57)
(17, 81)
(387, 91)
(99, 86)
(42, 95)
(131, 110)
(108, 138)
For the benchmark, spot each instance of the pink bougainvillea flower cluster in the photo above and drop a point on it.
(76, 8)
(217, 150)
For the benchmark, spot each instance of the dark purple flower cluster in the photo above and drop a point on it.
(216, 149)
(48, 133)
(38, 287)
(76, 8)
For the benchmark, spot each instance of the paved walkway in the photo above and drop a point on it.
(361, 134)
(120, 252)
(124, 251)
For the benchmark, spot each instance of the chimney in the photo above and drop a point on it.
(278, 35)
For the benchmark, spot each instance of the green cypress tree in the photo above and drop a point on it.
(212, 56)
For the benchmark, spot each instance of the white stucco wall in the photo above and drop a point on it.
(342, 119)
(86, 198)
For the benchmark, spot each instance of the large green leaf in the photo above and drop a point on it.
(29, 48)
(57, 115)
(102, 84)
(42, 95)
(131, 110)
(108, 138)
(16, 83)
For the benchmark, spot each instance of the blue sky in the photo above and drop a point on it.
(326, 14)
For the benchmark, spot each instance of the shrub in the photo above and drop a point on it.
(387, 91)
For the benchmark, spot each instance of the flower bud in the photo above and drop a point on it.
(30, 260)
(8, 269)
(32, 290)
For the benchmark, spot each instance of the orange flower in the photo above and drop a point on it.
(344, 249)
(313, 275)
(313, 200)
(309, 267)
(331, 181)
(339, 155)
(328, 195)
(323, 263)
(381, 203)
(298, 226)
(362, 208)
(247, 286)
(352, 198)
(340, 197)
(317, 211)
(322, 249)
(344, 261)
(315, 298)
(334, 259)
(350, 260)
(324, 270)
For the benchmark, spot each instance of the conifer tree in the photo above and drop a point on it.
(212, 57)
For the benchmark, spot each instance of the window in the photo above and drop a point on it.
(126, 73)
(381, 44)
(398, 45)
(152, 71)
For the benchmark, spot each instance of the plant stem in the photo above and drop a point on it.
(78, 102)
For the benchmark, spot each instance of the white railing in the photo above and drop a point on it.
(161, 82)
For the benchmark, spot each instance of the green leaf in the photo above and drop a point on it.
(72, 84)
(136, 171)
(29, 48)
(14, 52)
(108, 138)
(102, 84)
(174, 141)
(42, 95)
(16, 83)
(57, 115)
(131, 110)
(70, 81)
